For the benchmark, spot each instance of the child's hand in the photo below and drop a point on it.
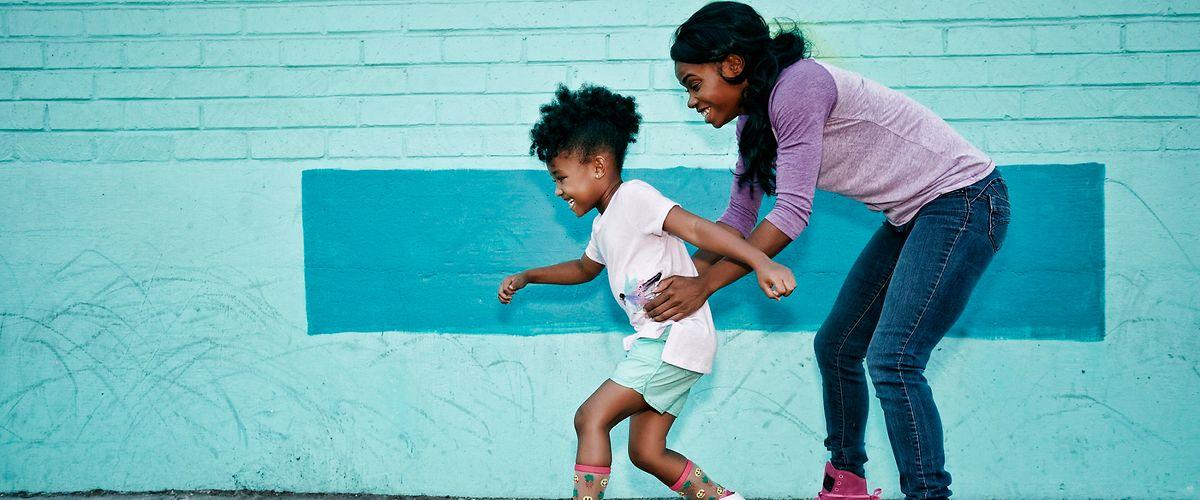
(510, 285)
(776, 280)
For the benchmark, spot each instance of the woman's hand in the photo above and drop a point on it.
(776, 280)
(510, 285)
(678, 296)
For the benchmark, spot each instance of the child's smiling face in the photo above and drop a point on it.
(579, 181)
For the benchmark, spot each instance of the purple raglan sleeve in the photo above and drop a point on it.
(744, 200)
(800, 105)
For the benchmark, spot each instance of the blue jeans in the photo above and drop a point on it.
(905, 291)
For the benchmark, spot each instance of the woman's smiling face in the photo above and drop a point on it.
(717, 100)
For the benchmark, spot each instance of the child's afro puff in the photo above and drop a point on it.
(583, 121)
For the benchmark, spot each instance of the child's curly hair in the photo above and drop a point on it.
(583, 121)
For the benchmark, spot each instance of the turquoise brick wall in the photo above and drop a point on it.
(152, 307)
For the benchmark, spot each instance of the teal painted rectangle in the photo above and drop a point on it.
(424, 251)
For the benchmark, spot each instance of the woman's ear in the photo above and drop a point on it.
(732, 66)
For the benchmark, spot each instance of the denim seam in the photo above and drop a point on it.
(837, 367)
(913, 331)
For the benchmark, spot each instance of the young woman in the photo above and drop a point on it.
(803, 124)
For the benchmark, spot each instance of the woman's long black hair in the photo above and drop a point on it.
(723, 28)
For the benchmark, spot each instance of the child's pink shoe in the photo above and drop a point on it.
(842, 485)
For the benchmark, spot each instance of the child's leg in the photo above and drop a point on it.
(648, 451)
(608, 406)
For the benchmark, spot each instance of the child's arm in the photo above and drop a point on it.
(571, 272)
(774, 279)
(703, 259)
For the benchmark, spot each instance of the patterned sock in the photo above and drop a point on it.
(694, 484)
(590, 482)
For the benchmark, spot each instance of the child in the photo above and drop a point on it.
(582, 136)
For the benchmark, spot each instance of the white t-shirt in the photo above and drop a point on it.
(628, 238)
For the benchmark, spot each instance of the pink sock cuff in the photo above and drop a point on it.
(594, 469)
(687, 471)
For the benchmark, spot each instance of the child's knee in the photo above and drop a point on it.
(645, 457)
(587, 419)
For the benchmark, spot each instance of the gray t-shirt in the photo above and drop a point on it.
(843, 133)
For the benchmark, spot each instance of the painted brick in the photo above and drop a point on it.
(402, 50)
(1125, 135)
(989, 40)
(344, 18)
(128, 84)
(921, 71)
(123, 22)
(565, 47)
(486, 110)
(241, 53)
(446, 79)
(618, 76)
(525, 77)
(451, 16)
(162, 54)
(399, 110)
(580, 14)
(162, 114)
(1077, 38)
(687, 140)
(1076, 69)
(1161, 36)
(20, 55)
(45, 23)
(367, 143)
(52, 147)
(209, 83)
(210, 146)
(1047, 137)
(970, 103)
(506, 141)
(285, 20)
(180, 21)
(892, 41)
(127, 147)
(280, 113)
(1156, 101)
(21, 116)
(301, 82)
(641, 44)
(287, 144)
(1183, 135)
(83, 55)
(319, 52)
(444, 141)
(93, 115)
(1183, 68)
(1111, 102)
(529, 106)
(481, 49)
(8, 83)
(660, 107)
(54, 85)
(664, 77)
(850, 40)
(8, 150)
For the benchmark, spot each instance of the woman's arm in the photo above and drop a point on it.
(775, 280)
(680, 296)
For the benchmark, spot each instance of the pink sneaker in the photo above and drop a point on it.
(842, 485)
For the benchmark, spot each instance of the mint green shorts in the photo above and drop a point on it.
(665, 387)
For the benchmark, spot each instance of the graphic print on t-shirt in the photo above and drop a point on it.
(637, 295)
